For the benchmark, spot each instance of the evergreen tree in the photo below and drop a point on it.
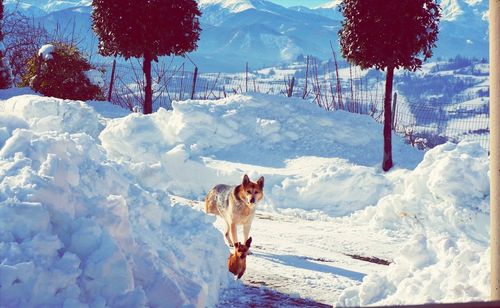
(5, 71)
(388, 35)
(147, 29)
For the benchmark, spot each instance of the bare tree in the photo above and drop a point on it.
(22, 40)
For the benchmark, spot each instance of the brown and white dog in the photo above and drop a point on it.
(236, 205)
(237, 262)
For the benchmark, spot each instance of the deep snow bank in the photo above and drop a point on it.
(311, 158)
(444, 208)
(74, 230)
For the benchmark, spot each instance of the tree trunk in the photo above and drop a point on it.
(387, 160)
(148, 91)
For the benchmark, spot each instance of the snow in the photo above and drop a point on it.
(234, 6)
(45, 52)
(96, 77)
(76, 229)
(100, 206)
(333, 4)
(443, 207)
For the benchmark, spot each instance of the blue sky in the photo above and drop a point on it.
(308, 3)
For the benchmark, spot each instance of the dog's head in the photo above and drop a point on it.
(251, 192)
(241, 250)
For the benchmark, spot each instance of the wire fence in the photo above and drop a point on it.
(423, 124)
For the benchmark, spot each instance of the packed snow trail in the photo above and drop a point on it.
(300, 262)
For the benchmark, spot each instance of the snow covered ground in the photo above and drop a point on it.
(99, 206)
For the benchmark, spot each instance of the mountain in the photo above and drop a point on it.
(40, 7)
(263, 33)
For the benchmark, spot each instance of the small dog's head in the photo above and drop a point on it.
(241, 250)
(251, 192)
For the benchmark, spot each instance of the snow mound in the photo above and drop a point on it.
(75, 231)
(198, 144)
(444, 208)
(53, 114)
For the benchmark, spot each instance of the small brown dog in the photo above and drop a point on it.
(237, 262)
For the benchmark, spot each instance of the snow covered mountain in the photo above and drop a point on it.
(263, 33)
(40, 7)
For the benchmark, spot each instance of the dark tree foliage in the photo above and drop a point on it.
(388, 35)
(5, 71)
(62, 76)
(147, 29)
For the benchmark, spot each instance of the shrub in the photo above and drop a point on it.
(59, 70)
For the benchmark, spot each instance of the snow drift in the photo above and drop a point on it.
(75, 230)
(200, 143)
(443, 207)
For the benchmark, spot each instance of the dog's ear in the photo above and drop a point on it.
(260, 182)
(248, 242)
(246, 180)
(236, 245)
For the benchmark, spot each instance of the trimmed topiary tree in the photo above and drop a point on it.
(147, 29)
(60, 70)
(5, 70)
(388, 35)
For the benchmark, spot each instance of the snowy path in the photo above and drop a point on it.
(306, 263)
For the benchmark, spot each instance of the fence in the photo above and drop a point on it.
(423, 124)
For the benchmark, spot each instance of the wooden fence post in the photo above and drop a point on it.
(195, 76)
(246, 78)
(393, 120)
(290, 88)
(112, 81)
(307, 73)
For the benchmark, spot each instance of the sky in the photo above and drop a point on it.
(308, 3)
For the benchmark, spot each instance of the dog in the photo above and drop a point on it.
(236, 205)
(237, 262)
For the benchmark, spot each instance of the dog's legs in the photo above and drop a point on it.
(241, 274)
(246, 232)
(227, 235)
(234, 233)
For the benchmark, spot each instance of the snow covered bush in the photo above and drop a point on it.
(60, 70)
